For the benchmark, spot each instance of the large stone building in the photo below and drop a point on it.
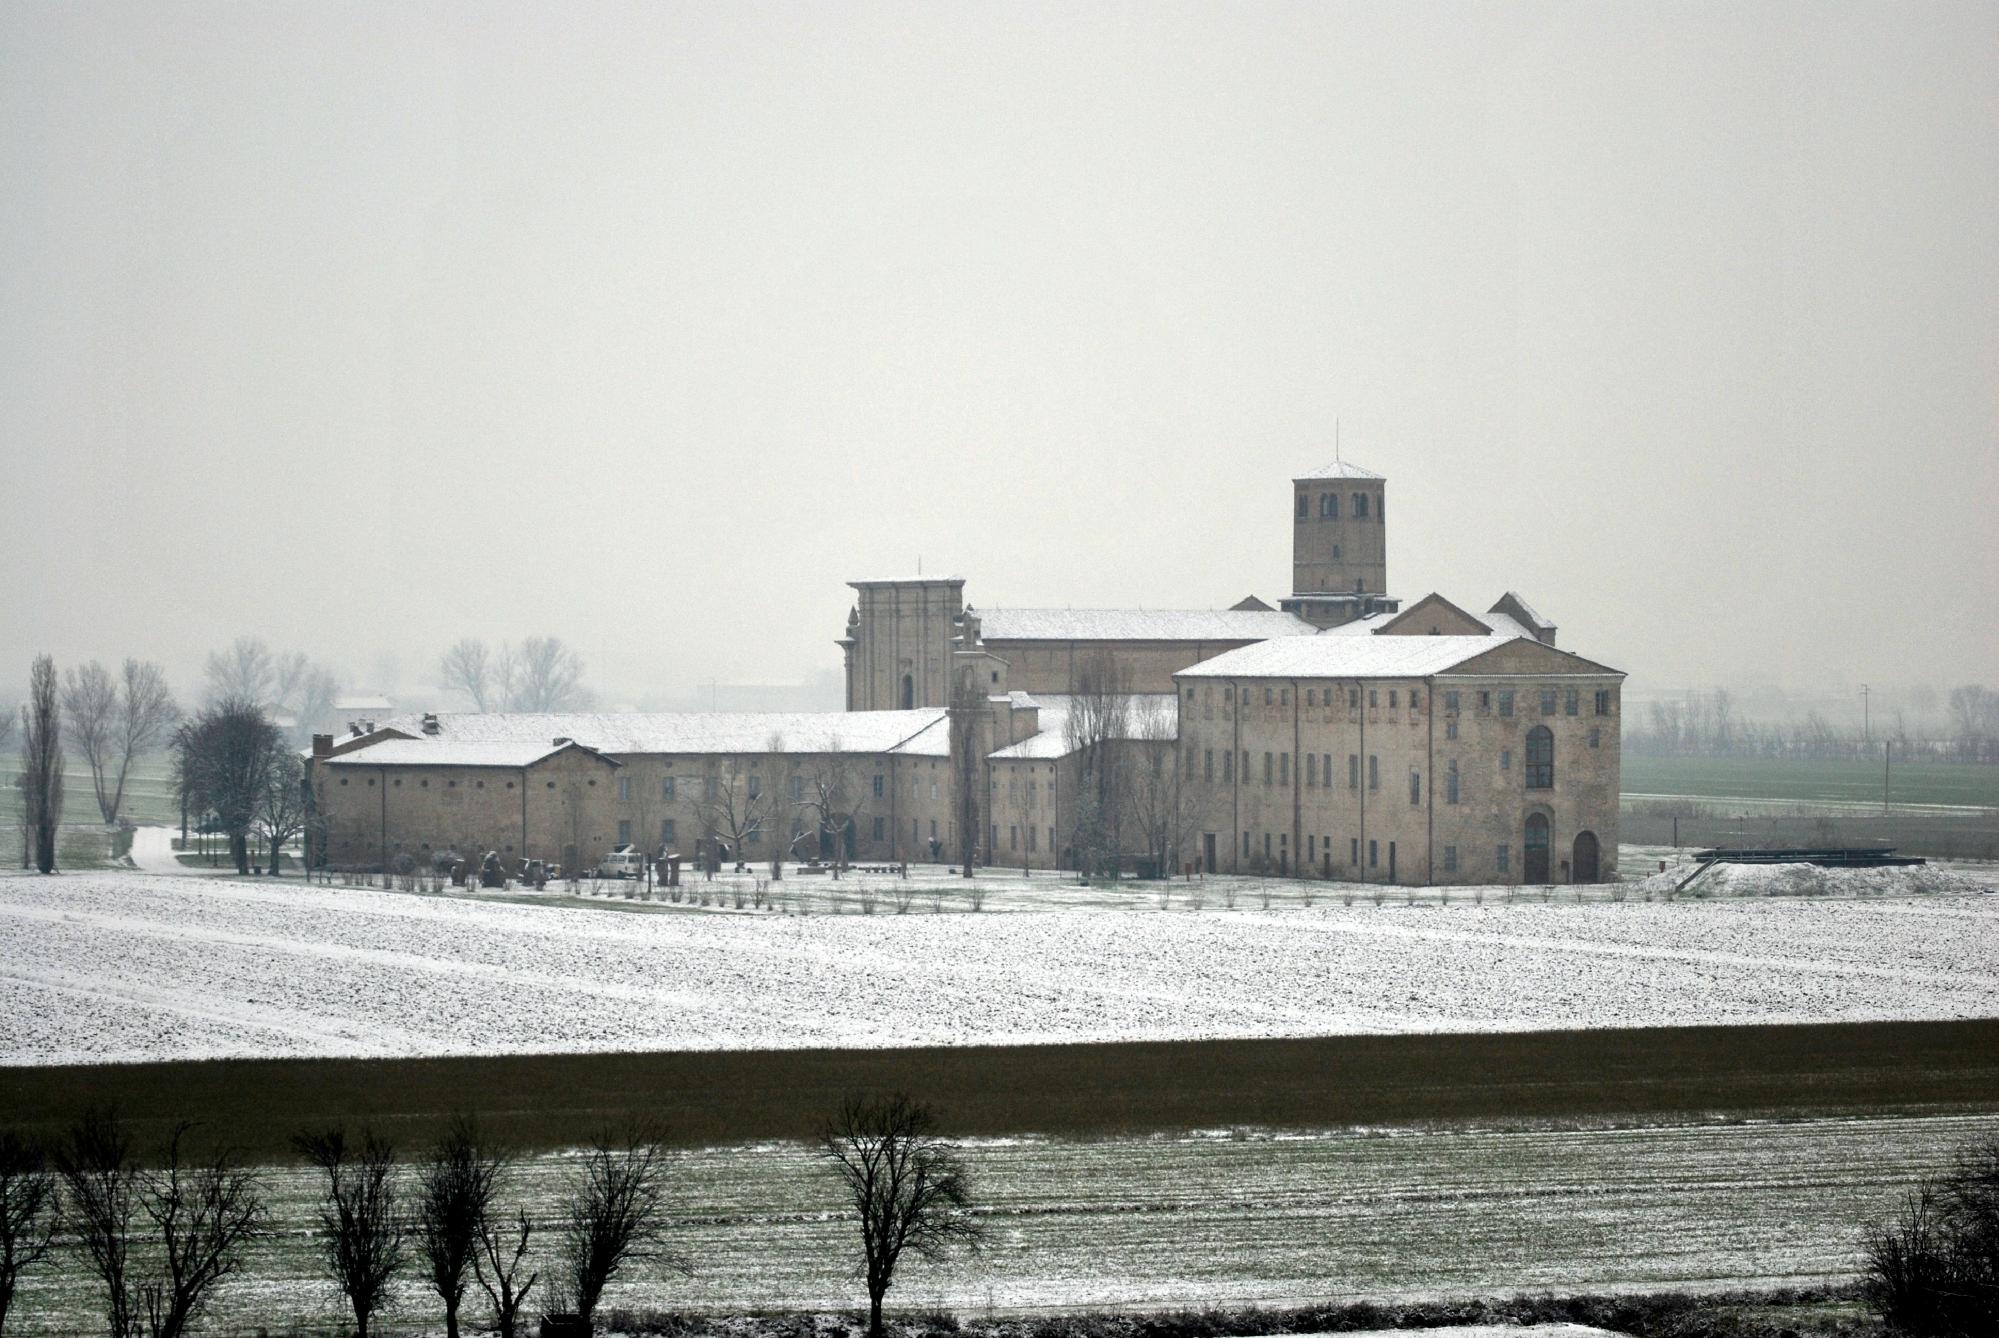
(1337, 735)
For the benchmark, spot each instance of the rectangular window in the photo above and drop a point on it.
(1547, 701)
(624, 787)
(878, 828)
(1373, 698)
(1326, 769)
(1267, 764)
(797, 788)
(1451, 703)
(1311, 771)
(1569, 701)
(1450, 859)
(1499, 858)
(1451, 784)
(1284, 768)
(878, 787)
(1311, 696)
(1416, 787)
(1506, 701)
(1013, 838)
(1207, 764)
(1353, 852)
(756, 786)
(1267, 696)
(1415, 700)
(1228, 765)
(1391, 699)
(1030, 838)
(1353, 699)
(1245, 845)
(1373, 854)
(1603, 701)
(666, 837)
(1506, 759)
(624, 831)
(1353, 771)
(1373, 771)
(1595, 736)
(1450, 729)
(1484, 700)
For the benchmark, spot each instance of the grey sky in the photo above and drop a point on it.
(362, 328)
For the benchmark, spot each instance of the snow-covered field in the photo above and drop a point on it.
(130, 966)
(1214, 1219)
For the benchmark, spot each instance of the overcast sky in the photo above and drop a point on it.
(365, 327)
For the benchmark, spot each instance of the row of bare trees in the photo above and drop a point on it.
(284, 684)
(163, 1236)
(1131, 793)
(1712, 724)
(538, 673)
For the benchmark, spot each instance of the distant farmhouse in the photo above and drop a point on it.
(1339, 735)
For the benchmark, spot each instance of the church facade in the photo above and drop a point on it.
(1339, 734)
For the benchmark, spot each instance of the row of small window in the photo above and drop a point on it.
(1014, 837)
(1329, 506)
(1277, 696)
(1319, 855)
(1319, 767)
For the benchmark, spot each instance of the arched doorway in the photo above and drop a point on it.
(908, 692)
(1534, 867)
(1585, 865)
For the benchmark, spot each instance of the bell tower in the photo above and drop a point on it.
(1339, 545)
(898, 645)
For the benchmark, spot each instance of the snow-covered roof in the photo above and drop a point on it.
(451, 753)
(923, 733)
(363, 703)
(1138, 624)
(1347, 657)
(1340, 469)
(1148, 715)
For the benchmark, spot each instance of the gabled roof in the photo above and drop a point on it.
(1339, 469)
(923, 733)
(443, 753)
(1346, 657)
(1139, 625)
(1433, 610)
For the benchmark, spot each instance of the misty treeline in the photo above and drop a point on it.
(293, 690)
(161, 1232)
(537, 673)
(1959, 726)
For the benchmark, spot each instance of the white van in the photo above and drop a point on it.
(624, 862)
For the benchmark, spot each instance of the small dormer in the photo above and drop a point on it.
(1518, 609)
(1433, 615)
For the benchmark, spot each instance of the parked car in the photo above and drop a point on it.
(624, 862)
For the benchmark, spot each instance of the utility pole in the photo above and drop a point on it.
(1887, 747)
(1866, 723)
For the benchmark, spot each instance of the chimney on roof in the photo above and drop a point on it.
(561, 739)
(430, 722)
(322, 745)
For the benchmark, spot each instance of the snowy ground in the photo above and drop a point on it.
(130, 966)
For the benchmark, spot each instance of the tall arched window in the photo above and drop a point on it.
(908, 692)
(1540, 758)
(1329, 505)
(1304, 505)
(1360, 506)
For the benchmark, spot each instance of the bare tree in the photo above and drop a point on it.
(733, 804)
(27, 1213)
(282, 807)
(468, 668)
(42, 762)
(202, 1215)
(614, 1216)
(550, 676)
(360, 1233)
(1166, 806)
(247, 671)
(89, 698)
(1099, 716)
(499, 1266)
(908, 1187)
(834, 795)
(455, 1184)
(224, 756)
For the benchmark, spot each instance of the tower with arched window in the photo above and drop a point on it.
(1339, 545)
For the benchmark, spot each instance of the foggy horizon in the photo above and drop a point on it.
(362, 331)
